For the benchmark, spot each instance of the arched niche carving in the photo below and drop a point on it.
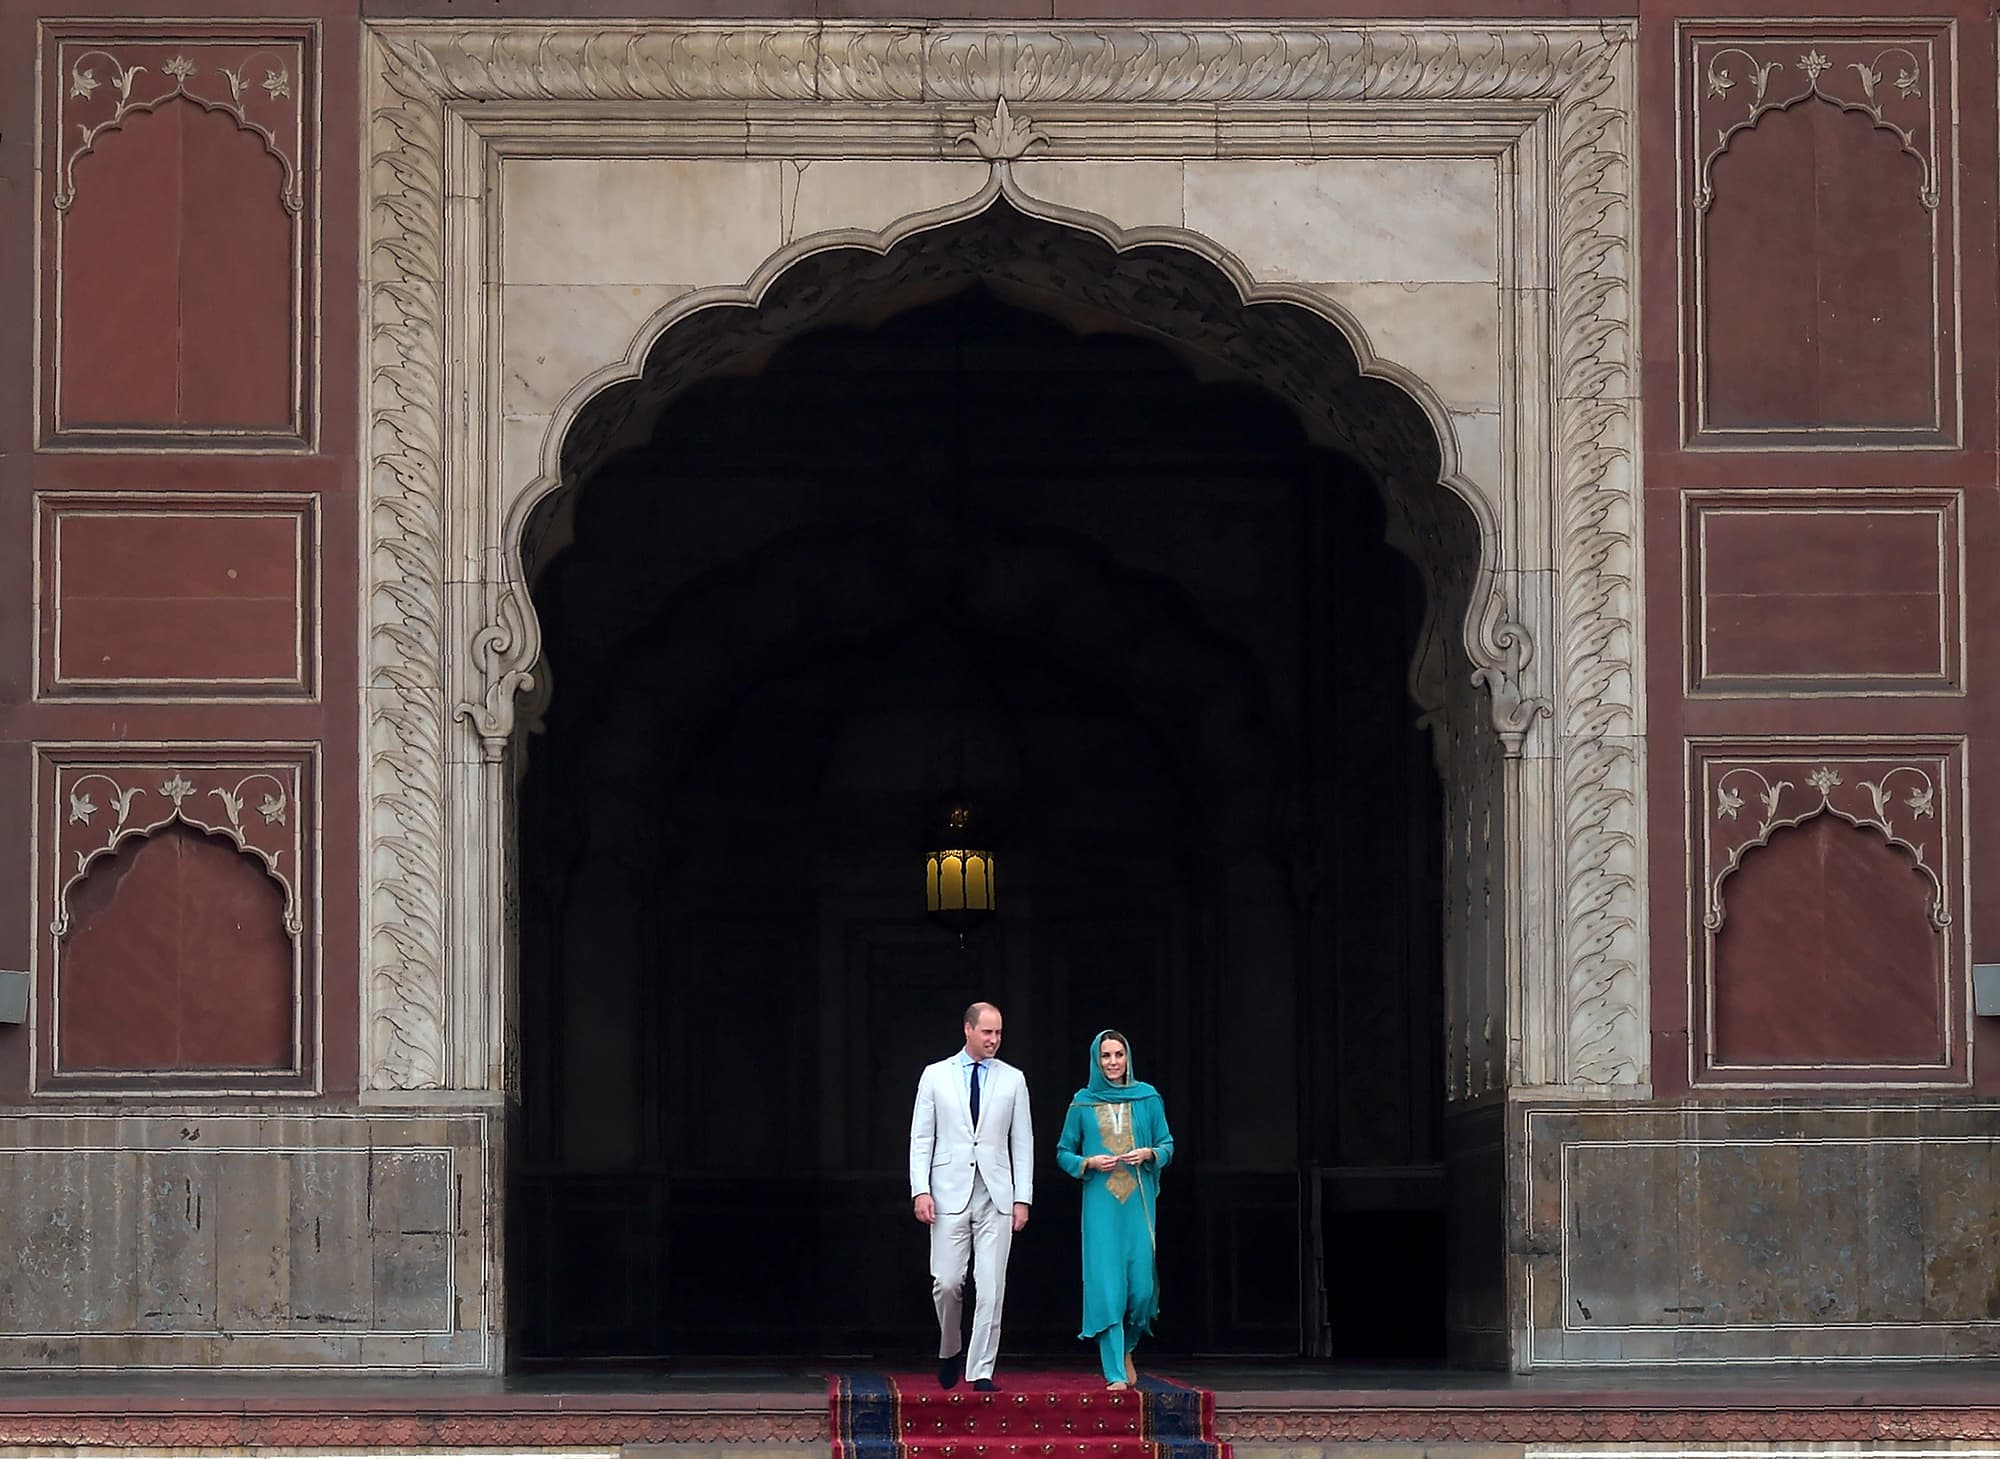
(1830, 140)
(1783, 825)
(206, 139)
(1549, 608)
(118, 813)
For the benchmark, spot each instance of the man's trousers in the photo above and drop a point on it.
(980, 1235)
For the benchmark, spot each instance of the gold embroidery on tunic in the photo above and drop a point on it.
(1114, 1126)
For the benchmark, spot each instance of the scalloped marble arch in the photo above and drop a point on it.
(519, 646)
(1553, 628)
(1001, 184)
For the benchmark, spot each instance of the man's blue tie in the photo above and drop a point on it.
(975, 1094)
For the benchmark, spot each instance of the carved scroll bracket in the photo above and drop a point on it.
(1503, 651)
(503, 653)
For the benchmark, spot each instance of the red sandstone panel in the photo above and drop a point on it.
(153, 594)
(1828, 956)
(119, 311)
(178, 892)
(1795, 592)
(1827, 885)
(179, 960)
(179, 222)
(237, 305)
(1819, 228)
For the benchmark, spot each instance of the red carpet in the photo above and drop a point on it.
(1060, 1415)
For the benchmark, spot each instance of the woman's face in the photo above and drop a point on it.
(1111, 1059)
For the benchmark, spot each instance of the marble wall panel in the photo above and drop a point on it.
(644, 220)
(1732, 1232)
(1358, 220)
(238, 1241)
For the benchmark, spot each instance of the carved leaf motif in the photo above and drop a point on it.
(1719, 81)
(177, 789)
(180, 68)
(1920, 801)
(1002, 137)
(1906, 84)
(1824, 779)
(272, 809)
(1813, 63)
(1870, 79)
(1727, 802)
(1770, 799)
(81, 808)
(232, 806)
(82, 82)
(278, 83)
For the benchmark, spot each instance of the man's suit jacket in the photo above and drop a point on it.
(945, 1149)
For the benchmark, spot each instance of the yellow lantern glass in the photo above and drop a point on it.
(959, 881)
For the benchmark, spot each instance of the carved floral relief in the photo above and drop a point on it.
(99, 807)
(103, 82)
(1738, 83)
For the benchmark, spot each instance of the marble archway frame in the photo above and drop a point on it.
(1546, 455)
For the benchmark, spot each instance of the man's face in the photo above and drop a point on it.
(1111, 1059)
(982, 1039)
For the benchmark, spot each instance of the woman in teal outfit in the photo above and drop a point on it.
(1116, 1142)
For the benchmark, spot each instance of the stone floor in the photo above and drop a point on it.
(1299, 1410)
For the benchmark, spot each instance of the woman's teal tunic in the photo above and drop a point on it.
(1119, 1205)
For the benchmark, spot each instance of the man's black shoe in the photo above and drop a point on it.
(985, 1385)
(950, 1370)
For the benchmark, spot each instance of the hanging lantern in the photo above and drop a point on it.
(958, 880)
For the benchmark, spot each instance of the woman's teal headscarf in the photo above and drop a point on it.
(1101, 1090)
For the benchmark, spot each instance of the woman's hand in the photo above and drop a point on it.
(1137, 1157)
(1100, 1162)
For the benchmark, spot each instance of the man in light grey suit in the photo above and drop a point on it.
(972, 1180)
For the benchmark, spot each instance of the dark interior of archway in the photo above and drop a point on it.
(1160, 638)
